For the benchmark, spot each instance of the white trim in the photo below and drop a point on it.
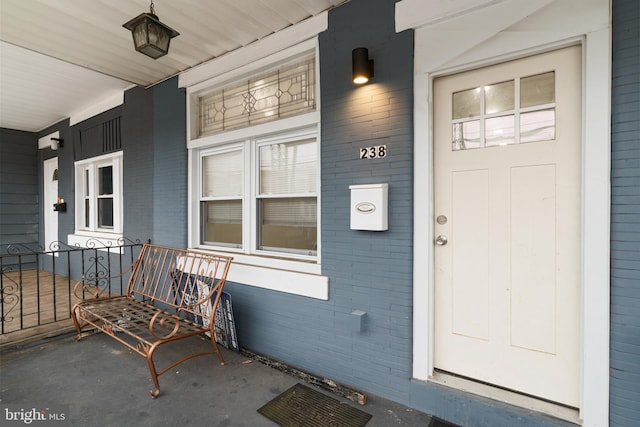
(249, 148)
(83, 240)
(506, 396)
(282, 275)
(414, 14)
(291, 282)
(476, 37)
(264, 49)
(596, 202)
(97, 108)
(45, 141)
(423, 295)
(290, 53)
(115, 160)
(50, 217)
(276, 126)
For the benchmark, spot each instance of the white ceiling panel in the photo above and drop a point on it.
(77, 52)
(37, 91)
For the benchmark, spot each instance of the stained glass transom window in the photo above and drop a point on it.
(284, 92)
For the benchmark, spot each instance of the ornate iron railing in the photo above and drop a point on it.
(36, 284)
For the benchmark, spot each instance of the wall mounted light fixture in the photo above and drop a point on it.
(362, 65)
(56, 143)
(150, 36)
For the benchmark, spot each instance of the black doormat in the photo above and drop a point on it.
(302, 406)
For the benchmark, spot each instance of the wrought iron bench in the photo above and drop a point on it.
(171, 294)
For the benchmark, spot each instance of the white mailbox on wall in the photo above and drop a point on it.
(369, 207)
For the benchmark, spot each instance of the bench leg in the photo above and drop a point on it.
(154, 373)
(76, 322)
(216, 348)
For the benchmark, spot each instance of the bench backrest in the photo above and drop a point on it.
(180, 280)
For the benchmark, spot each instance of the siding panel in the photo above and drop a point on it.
(19, 208)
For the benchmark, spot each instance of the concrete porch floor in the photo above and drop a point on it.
(98, 382)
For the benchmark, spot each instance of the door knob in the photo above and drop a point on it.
(441, 240)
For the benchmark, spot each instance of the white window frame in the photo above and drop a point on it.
(251, 171)
(298, 135)
(296, 275)
(242, 147)
(105, 235)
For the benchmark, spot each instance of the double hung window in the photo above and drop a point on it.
(99, 194)
(260, 195)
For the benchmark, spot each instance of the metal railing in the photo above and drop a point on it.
(36, 285)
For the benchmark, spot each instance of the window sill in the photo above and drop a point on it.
(94, 239)
(291, 277)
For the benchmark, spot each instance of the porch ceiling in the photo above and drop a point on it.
(58, 58)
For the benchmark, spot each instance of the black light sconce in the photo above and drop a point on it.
(150, 36)
(61, 206)
(362, 65)
(57, 143)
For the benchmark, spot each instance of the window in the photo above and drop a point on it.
(99, 192)
(285, 91)
(222, 193)
(254, 165)
(505, 113)
(286, 199)
(260, 196)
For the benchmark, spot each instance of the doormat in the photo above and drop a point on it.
(437, 422)
(302, 406)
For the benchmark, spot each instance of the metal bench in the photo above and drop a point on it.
(171, 294)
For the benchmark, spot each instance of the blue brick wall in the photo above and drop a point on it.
(169, 164)
(155, 164)
(368, 271)
(625, 216)
(137, 147)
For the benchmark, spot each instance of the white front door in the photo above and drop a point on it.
(50, 196)
(507, 156)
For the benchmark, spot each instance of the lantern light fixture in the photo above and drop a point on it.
(362, 65)
(150, 36)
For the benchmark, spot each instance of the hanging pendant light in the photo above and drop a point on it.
(150, 36)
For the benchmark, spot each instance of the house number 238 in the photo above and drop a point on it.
(375, 152)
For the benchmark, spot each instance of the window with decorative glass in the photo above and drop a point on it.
(285, 91)
(505, 113)
(260, 195)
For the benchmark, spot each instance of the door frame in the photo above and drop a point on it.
(595, 207)
(487, 277)
(50, 217)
